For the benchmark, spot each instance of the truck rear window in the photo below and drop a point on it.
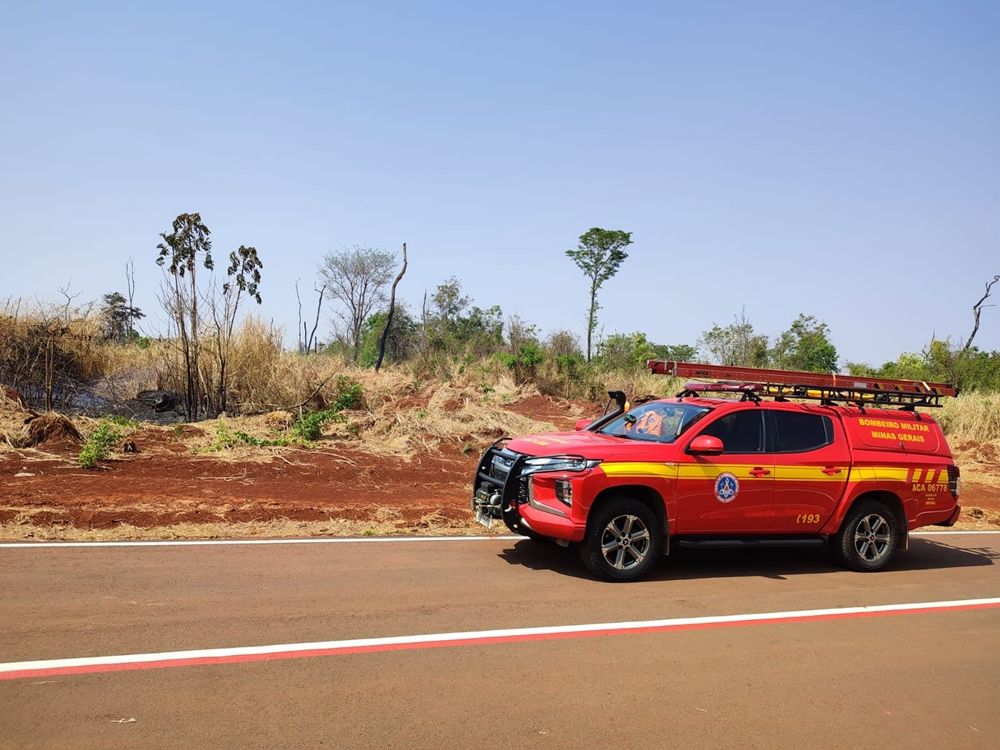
(797, 432)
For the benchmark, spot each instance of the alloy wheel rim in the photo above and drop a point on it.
(625, 542)
(872, 536)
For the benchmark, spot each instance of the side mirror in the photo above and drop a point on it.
(583, 424)
(705, 445)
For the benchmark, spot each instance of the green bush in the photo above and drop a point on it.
(226, 439)
(309, 426)
(100, 443)
(349, 394)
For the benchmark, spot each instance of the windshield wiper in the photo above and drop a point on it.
(626, 437)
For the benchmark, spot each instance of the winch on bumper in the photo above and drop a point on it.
(502, 491)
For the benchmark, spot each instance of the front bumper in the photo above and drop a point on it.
(501, 492)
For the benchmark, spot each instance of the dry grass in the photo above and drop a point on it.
(453, 413)
(972, 416)
(13, 429)
(391, 426)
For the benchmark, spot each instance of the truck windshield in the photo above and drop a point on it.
(655, 422)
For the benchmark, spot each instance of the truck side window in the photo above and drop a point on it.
(740, 431)
(798, 432)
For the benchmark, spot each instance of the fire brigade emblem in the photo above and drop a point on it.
(727, 487)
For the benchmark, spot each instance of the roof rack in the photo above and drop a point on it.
(754, 382)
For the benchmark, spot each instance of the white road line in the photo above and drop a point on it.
(15, 670)
(242, 542)
(332, 540)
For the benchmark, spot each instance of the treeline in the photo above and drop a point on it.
(50, 352)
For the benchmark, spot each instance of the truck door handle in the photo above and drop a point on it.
(831, 470)
(759, 471)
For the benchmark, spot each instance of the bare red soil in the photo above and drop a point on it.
(164, 483)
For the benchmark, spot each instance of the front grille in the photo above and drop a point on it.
(522, 490)
(494, 472)
(500, 466)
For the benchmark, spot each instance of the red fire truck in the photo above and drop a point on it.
(739, 457)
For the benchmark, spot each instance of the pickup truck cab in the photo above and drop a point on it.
(715, 471)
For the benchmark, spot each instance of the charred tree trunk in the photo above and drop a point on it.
(388, 318)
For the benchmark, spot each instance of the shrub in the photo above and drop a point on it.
(309, 426)
(226, 439)
(100, 443)
(349, 394)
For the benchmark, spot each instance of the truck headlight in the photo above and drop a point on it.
(558, 463)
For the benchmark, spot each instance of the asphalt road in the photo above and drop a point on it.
(914, 680)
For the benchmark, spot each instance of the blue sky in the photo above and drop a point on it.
(836, 159)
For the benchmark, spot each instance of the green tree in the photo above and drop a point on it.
(625, 351)
(805, 345)
(737, 344)
(448, 300)
(628, 351)
(480, 333)
(524, 352)
(599, 255)
(118, 317)
(676, 352)
(942, 362)
(453, 331)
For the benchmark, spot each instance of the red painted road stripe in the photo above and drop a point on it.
(405, 643)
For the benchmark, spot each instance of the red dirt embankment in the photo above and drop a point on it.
(164, 483)
(43, 491)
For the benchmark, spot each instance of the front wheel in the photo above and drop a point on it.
(868, 538)
(623, 541)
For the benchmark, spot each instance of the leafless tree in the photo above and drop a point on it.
(307, 338)
(977, 310)
(357, 278)
(54, 324)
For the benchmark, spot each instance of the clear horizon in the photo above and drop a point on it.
(838, 161)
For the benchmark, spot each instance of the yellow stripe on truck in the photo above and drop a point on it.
(879, 474)
(638, 469)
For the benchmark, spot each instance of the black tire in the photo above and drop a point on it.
(868, 538)
(624, 540)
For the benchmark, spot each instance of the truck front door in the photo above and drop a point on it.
(731, 493)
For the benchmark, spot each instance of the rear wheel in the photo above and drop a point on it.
(623, 541)
(868, 538)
